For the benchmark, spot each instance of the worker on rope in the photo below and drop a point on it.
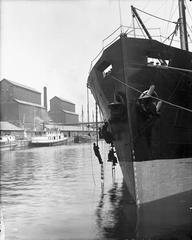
(97, 153)
(106, 134)
(111, 157)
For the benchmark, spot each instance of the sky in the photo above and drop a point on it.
(52, 42)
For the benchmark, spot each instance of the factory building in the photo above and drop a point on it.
(21, 105)
(63, 111)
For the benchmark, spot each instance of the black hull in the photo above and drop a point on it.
(147, 143)
(167, 218)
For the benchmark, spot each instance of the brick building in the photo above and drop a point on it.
(63, 111)
(21, 105)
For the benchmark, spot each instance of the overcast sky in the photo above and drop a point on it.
(52, 42)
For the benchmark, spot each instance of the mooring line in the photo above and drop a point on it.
(159, 99)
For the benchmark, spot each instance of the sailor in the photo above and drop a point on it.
(114, 161)
(111, 157)
(108, 137)
(97, 153)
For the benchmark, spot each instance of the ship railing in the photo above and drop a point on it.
(130, 31)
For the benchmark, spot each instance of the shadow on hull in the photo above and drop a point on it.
(165, 219)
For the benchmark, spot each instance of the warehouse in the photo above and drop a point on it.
(21, 105)
(63, 111)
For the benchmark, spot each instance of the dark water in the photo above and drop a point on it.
(55, 193)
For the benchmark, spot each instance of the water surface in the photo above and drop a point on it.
(56, 193)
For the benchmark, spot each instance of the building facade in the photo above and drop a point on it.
(12, 90)
(63, 111)
(21, 105)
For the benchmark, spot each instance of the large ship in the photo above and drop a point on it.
(147, 108)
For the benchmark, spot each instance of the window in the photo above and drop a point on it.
(107, 70)
(156, 61)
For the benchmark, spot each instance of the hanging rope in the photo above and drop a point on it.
(102, 173)
(173, 33)
(92, 166)
(88, 120)
(96, 122)
(163, 19)
(164, 101)
(173, 68)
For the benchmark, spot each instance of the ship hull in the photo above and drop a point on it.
(7, 142)
(48, 143)
(151, 180)
(154, 151)
(162, 178)
(8, 146)
(165, 218)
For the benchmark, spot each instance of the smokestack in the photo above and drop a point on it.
(45, 97)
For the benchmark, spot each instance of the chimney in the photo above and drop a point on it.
(45, 97)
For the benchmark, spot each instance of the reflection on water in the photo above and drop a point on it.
(167, 219)
(111, 220)
(56, 193)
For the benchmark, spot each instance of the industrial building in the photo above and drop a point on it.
(21, 105)
(63, 111)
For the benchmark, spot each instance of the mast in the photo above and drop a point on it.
(82, 118)
(182, 25)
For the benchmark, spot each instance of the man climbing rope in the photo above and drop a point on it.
(106, 134)
(97, 153)
(111, 157)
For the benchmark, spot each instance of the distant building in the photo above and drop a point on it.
(62, 111)
(7, 128)
(21, 105)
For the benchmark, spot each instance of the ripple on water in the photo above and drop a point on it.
(55, 193)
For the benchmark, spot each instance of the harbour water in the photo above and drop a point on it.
(56, 193)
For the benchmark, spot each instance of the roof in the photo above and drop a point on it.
(28, 103)
(62, 110)
(70, 128)
(63, 127)
(21, 85)
(63, 100)
(7, 126)
(73, 113)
